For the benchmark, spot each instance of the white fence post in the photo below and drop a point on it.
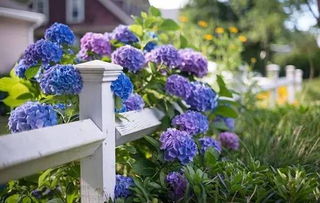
(273, 75)
(97, 103)
(298, 79)
(290, 76)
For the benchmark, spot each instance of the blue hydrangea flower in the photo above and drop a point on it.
(207, 142)
(192, 122)
(178, 86)
(124, 35)
(122, 188)
(122, 87)
(32, 115)
(229, 140)
(177, 183)
(42, 51)
(134, 103)
(166, 54)
(129, 58)
(202, 97)
(193, 62)
(61, 80)
(178, 145)
(60, 34)
(21, 68)
(229, 122)
(150, 46)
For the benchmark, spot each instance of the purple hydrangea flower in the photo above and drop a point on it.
(94, 43)
(122, 188)
(178, 145)
(21, 68)
(122, 87)
(229, 140)
(178, 86)
(150, 46)
(42, 51)
(207, 142)
(129, 57)
(32, 115)
(193, 62)
(124, 35)
(202, 97)
(60, 34)
(134, 103)
(166, 54)
(229, 122)
(192, 122)
(177, 183)
(61, 80)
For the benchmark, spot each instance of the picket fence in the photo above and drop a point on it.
(292, 82)
(92, 140)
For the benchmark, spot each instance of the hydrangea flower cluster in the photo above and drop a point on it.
(42, 51)
(21, 68)
(122, 87)
(134, 103)
(122, 188)
(164, 55)
(60, 34)
(207, 142)
(202, 97)
(61, 80)
(122, 34)
(178, 85)
(129, 58)
(192, 122)
(229, 140)
(94, 43)
(177, 183)
(178, 145)
(32, 115)
(193, 62)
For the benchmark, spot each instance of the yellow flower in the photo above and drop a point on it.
(242, 38)
(183, 19)
(233, 29)
(219, 30)
(208, 37)
(202, 23)
(263, 95)
(253, 60)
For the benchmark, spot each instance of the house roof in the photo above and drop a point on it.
(13, 4)
(115, 10)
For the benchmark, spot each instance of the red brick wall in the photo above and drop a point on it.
(57, 11)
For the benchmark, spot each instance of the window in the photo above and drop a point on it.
(41, 6)
(75, 11)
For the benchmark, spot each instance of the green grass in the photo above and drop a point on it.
(311, 92)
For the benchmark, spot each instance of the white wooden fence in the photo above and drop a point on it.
(292, 81)
(92, 140)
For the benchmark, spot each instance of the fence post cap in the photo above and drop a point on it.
(290, 68)
(97, 70)
(273, 67)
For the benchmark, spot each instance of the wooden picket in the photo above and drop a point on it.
(92, 140)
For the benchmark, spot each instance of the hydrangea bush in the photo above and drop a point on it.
(160, 71)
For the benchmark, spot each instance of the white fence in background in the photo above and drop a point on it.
(292, 81)
(92, 140)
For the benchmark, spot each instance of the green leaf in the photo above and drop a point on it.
(25, 96)
(152, 141)
(183, 42)
(43, 177)
(31, 72)
(16, 90)
(55, 200)
(136, 29)
(226, 111)
(144, 167)
(169, 25)
(154, 11)
(7, 83)
(224, 92)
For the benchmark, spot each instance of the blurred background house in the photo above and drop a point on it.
(17, 25)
